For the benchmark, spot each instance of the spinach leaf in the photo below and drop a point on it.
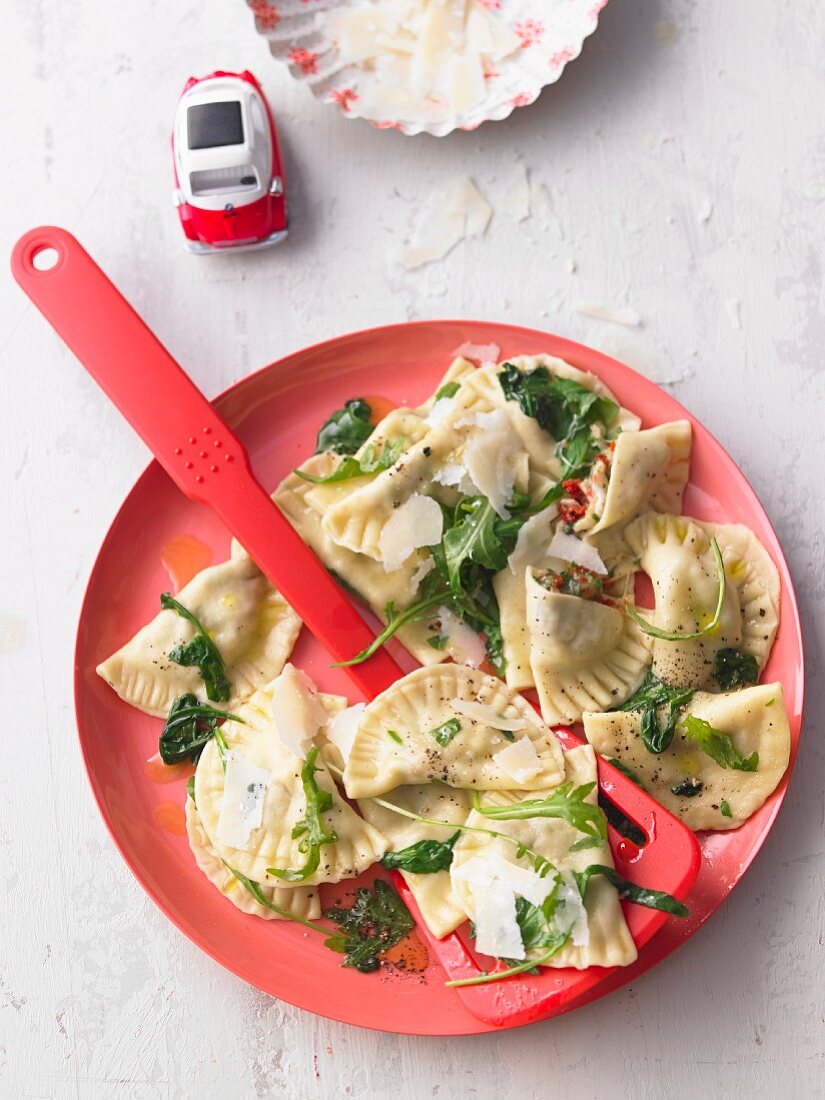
(189, 726)
(444, 733)
(724, 809)
(674, 635)
(566, 802)
(639, 895)
(688, 788)
(370, 462)
(201, 653)
(312, 827)
(375, 923)
(564, 408)
(652, 694)
(423, 858)
(732, 668)
(717, 745)
(622, 823)
(346, 429)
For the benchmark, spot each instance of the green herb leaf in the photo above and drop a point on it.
(732, 668)
(566, 802)
(393, 736)
(190, 789)
(449, 389)
(473, 538)
(688, 788)
(347, 429)
(717, 745)
(639, 895)
(437, 641)
(444, 733)
(585, 843)
(189, 726)
(423, 858)
(201, 653)
(674, 636)
(564, 408)
(652, 695)
(370, 462)
(724, 809)
(622, 823)
(312, 827)
(375, 923)
(257, 893)
(628, 773)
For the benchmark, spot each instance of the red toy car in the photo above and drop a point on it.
(229, 180)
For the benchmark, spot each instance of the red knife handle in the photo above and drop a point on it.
(187, 436)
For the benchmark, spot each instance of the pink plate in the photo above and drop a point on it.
(276, 413)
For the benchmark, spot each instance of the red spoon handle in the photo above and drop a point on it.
(187, 436)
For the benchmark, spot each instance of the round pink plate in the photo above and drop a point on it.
(276, 412)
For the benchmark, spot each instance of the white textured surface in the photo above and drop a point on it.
(679, 173)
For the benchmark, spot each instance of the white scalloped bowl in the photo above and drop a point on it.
(551, 34)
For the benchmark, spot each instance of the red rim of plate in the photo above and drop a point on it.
(711, 889)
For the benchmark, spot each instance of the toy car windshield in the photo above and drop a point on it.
(209, 125)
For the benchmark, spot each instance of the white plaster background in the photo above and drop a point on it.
(684, 159)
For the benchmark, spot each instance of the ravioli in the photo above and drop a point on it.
(675, 552)
(432, 892)
(608, 942)
(271, 844)
(755, 720)
(252, 625)
(649, 470)
(584, 655)
(366, 577)
(412, 733)
(298, 901)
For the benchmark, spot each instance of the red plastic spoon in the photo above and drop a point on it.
(209, 464)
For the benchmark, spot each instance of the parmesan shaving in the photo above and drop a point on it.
(479, 353)
(242, 803)
(296, 709)
(573, 550)
(463, 644)
(534, 537)
(490, 458)
(459, 212)
(417, 522)
(342, 727)
(480, 712)
(571, 914)
(519, 760)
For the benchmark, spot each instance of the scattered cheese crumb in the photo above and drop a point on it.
(460, 211)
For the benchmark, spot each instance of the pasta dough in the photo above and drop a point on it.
(755, 720)
(466, 755)
(249, 621)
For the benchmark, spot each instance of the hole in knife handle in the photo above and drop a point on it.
(45, 258)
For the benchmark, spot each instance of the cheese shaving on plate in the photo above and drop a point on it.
(569, 548)
(297, 710)
(417, 522)
(342, 727)
(519, 760)
(242, 804)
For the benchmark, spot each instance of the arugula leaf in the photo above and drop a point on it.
(370, 462)
(724, 809)
(585, 843)
(434, 592)
(639, 895)
(732, 668)
(472, 538)
(347, 429)
(201, 652)
(312, 827)
(375, 923)
(444, 733)
(652, 694)
(536, 924)
(688, 788)
(673, 635)
(423, 858)
(449, 389)
(189, 726)
(564, 408)
(257, 893)
(717, 745)
(190, 789)
(566, 802)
